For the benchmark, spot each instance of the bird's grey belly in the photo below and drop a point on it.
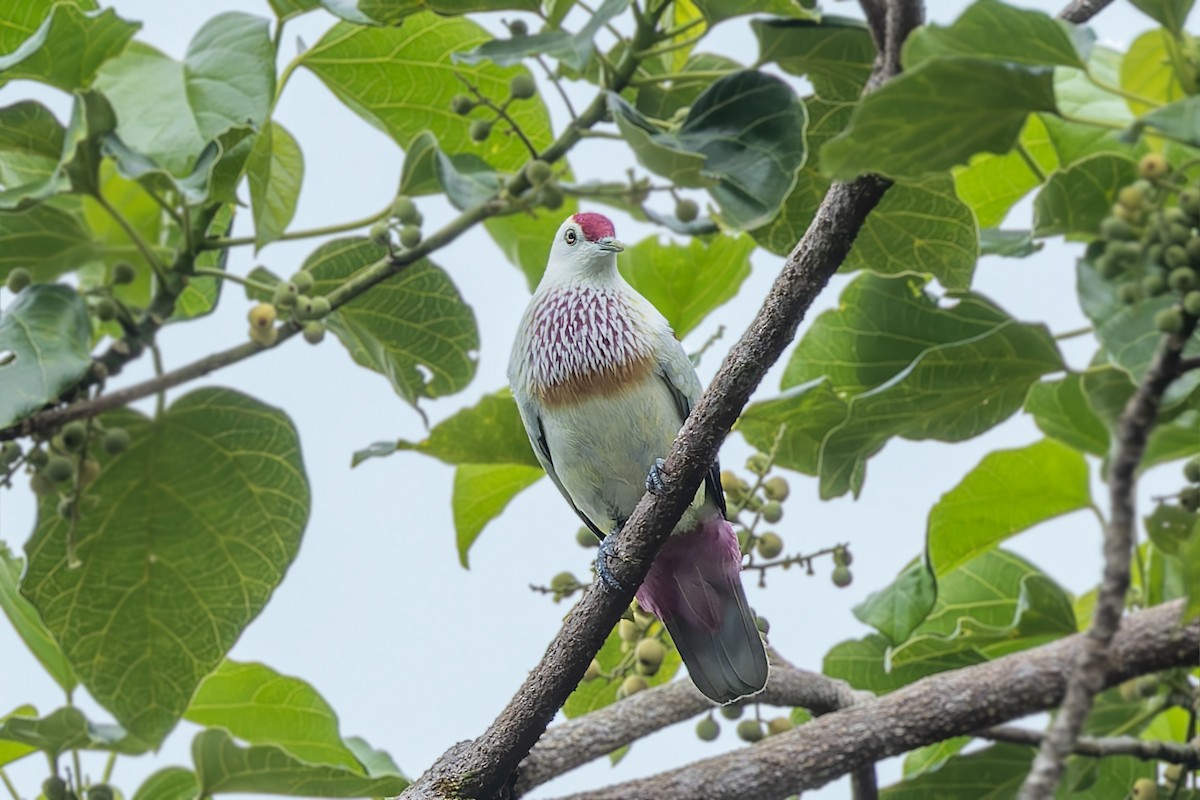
(604, 447)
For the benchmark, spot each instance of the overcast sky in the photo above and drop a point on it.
(414, 652)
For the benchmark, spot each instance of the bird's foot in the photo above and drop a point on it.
(603, 572)
(655, 484)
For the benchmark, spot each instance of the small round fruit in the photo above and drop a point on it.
(518, 28)
(404, 209)
(634, 684)
(285, 295)
(262, 315)
(55, 788)
(316, 308)
(763, 624)
(586, 538)
(461, 104)
(1169, 320)
(1116, 229)
(732, 712)
(522, 86)
(772, 511)
(1189, 498)
(593, 671)
(841, 576)
(1153, 166)
(750, 730)
(628, 631)
(18, 279)
(1129, 293)
(314, 331)
(99, 791)
(779, 725)
(380, 234)
(1192, 248)
(1191, 303)
(842, 557)
(686, 210)
(66, 507)
(776, 488)
(264, 337)
(115, 441)
(758, 463)
(538, 172)
(106, 310)
(643, 619)
(707, 729)
(1191, 470)
(1182, 279)
(123, 272)
(1154, 284)
(9, 452)
(1144, 789)
(480, 130)
(563, 582)
(1175, 255)
(303, 306)
(410, 236)
(38, 457)
(551, 196)
(40, 485)
(1172, 775)
(1131, 196)
(650, 652)
(302, 280)
(74, 436)
(89, 470)
(770, 545)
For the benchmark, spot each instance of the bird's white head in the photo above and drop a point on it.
(585, 248)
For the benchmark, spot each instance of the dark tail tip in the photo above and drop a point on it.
(728, 662)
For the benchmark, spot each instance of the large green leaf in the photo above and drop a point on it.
(181, 541)
(260, 706)
(47, 239)
(19, 21)
(993, 30)
(991, 184)
(1075, 200)
(836, 54)
(170, 110)
(938, 115)
(932, 756)
(169, 783)
(1006, 493)
(863, 663)
(274, 170)
(1180, 120)
(898, 608)
(1169, 526)
(376, 71)
(481, 492)
(1062, 410)
(28, 624)
(993, 773)
(747, 160)
(1171, 14)
(68, 48)
(31, 143)
(224, 766)
(68, 729)
(413, 328)
(575, 50)
(46, 338)
(919, 228)
(890, 361)
(1146, 71)
(663, 100)
(793, 219)
(687, 282)
(11, 751)
(715, 11)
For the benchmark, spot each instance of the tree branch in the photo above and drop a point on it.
(1102, 747)
(484, 768)
(937, 707)
(1079, 11)
(1089, 673)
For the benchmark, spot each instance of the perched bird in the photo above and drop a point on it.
(603, 387)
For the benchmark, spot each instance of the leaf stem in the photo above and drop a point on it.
(132, 233)
(662, 49)
(698, 75)
(160, 400)
(9, 785)
(221, 274)
(1071, 334)
(1030, 161)
(108, 766)
(1117, 90)
(327, 230)
(553, 78)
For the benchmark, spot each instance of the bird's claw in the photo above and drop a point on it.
(602, 570)
(654, 478)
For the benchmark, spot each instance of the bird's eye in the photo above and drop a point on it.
(569, 236)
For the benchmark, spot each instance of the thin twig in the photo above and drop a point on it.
(1103, 747)
(1079, 11)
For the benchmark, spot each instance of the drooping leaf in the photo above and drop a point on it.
(223, 766)
(287, 9)
(1076, 199)
(481, 492)
(1169, 527)
(932, 757)
(898, 608)
(418, 176)
(574, 50)
(687, 282)
(1180, 119)
(716, 11)
(393, 12)
(1171, 14)
(371, 69)
(1007, 244)
(46, 336)
(31, 143)
(68, 47)
(28, 624)
(261, 706)
(413, 328)
(68, 729)
(991, 184)
(993, 30)
(274, 170)
(1061, 410)
(466, 179)
(1006, 493)
(863, 664)
(981, 107)
(19, 21)
(182, 571)
(996, 771)
(169, 783)
(665, 100)
(14, 751)
(47, 239)
(490, 432)
(214, 175)
(835, 53)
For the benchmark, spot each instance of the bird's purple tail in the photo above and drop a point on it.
(695, 588)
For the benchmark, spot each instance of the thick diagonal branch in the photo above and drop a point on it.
(938, 707)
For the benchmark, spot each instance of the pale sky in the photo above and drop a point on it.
(415, 653)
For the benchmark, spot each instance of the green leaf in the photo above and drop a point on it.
(665, 100)
(919, 228)
(419, 175)
(1076, 199)
(68, 729)
(287, 9)
(836, 53)
(466, 179)
(19, 21)
(687, 282)
(490, 432)
(980, 106)
(891, 362)
(15, 751)
(413, 328)
(1172, 440)
(749, 168)
(46, 239)
(1146, 71)
(863, 664)
(992, 30)
(1108, 778)
(1180, 120)
(367, 68)
(481, 492)
(994, 772)
(1171, 14)
(1007, 244)
(1189, 556)
(932, 757)
(215, 174)
(169, 783)
(1169, 527)
(716, 11)
(47, 335)
(31, 142)
(260, 706)
(991, 184)
(898, 608)
(574, 50)
(1061, 410)
(394, 12)
(525, 239)
(28, 624)
(184, 535)
(275, 170)
(68, 48)
(600, 692)
(1006, 493)
(783, 232)
(223, 766)
(170, 110)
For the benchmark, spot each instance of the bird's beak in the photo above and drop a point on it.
(610, 245)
